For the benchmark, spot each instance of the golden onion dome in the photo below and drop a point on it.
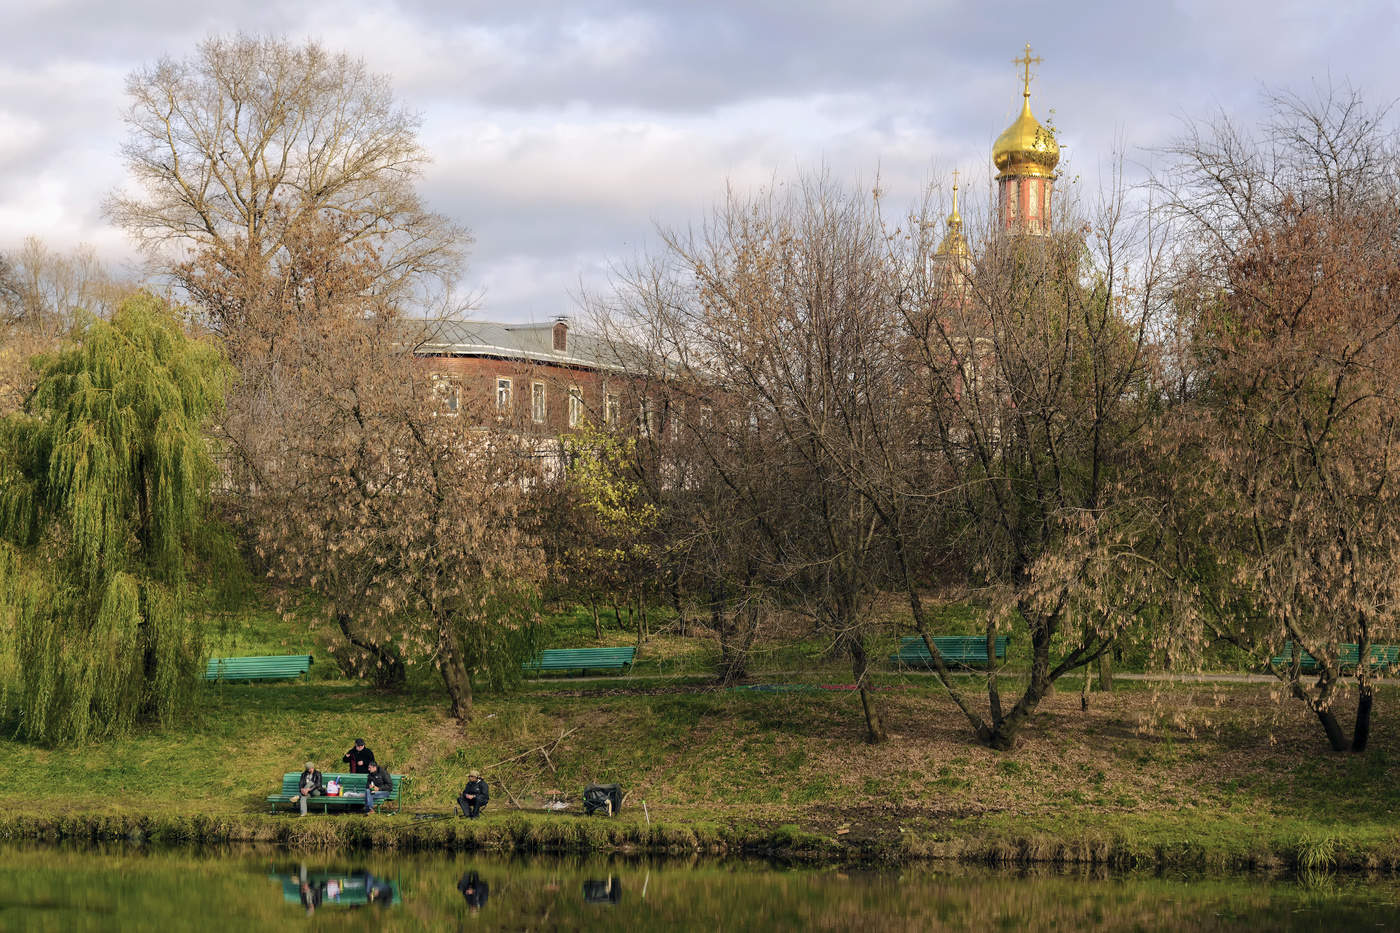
(1026, 147)
(954, 243)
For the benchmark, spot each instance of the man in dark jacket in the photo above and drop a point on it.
(359, 757)
(310, 785)
(474, 796)
(378, 787)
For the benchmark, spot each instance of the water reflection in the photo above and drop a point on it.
(122, 888)
(338, 887)
(475, 890)
(602, 892)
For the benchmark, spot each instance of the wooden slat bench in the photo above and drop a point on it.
(581, 659)
(246, 670)
(957, 650)
(1348, 656)
(291, 783)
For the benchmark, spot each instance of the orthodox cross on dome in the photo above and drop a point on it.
(1026, 61)
(955, 191)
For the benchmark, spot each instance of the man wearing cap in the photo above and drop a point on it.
(310, 785)
(474, 795)
(359, 757)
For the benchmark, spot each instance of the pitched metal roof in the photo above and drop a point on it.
(529, 342)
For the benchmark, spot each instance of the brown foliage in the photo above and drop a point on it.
(353, 479)
(1284, 491)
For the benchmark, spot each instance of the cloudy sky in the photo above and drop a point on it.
(563, 133)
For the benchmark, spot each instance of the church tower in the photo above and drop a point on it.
(1025, 156)
(952, 263)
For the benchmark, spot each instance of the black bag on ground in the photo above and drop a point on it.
(598, 796)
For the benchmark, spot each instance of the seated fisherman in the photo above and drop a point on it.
(310, 785)
(474, 796)
(378, 787)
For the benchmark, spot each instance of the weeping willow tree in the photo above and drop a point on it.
(104, 491)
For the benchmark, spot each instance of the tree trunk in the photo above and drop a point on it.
(456, 678)
(679, 607)
(1361, 735)
(1106, 672)
(860, 667)
(388, 671)
(1333, 729)
(597, 625)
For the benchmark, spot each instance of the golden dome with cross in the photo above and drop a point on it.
(1026, 147)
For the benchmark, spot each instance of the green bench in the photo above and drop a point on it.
(246, 670)
(957, 650)
(291, 784)
(1348, 657)
(581, 659)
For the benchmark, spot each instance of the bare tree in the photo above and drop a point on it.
(353, 479)
(252, 136)
(775, 320)
(1284, 462)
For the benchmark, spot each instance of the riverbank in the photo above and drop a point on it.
(565, 834)
(1218, 775)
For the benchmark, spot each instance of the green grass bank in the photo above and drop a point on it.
(1221, 775)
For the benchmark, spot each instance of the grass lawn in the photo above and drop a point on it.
(1220, 768)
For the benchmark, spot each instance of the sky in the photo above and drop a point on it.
(563, 134)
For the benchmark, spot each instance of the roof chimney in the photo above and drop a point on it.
(561, 334)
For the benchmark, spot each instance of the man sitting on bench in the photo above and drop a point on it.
(310, 785)
(474, 796)
(378, 787)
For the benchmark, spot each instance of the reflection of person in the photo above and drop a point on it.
(474, 796)
(474, 889)
(310, 785)
(310, 897)
(311, 894)
(378, 787)
(359, 757)
(602, 892)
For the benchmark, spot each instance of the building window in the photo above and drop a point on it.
(502, 392)
(612, 409)
(646, 418)
(575, 406)
(539, 402)
(448, 392)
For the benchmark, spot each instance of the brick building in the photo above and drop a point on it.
(542, 379)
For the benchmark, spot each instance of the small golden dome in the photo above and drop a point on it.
(954, 243)
(1026, 147)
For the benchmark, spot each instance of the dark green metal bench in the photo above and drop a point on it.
(1348, 656)
(581, 659)
(246, 670)
(291, 784)
(957, 650)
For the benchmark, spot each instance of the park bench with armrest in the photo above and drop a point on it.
(957, 650)
(581, 659)
(1348, 656)
(349, 783)
(245, 670)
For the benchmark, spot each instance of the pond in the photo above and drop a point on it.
(124, 888)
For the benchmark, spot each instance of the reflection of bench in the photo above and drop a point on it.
(1348, 657)
(349, 783)
(347, 889)
(581, 659)
(957, 650)
(277, 667)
